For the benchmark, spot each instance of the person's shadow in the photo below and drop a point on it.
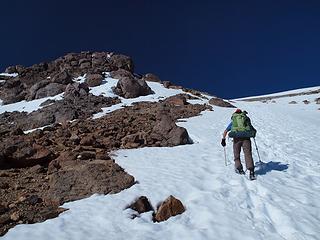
(263, 168)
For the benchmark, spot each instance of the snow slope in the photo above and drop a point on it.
(283, 203)
(279, 94)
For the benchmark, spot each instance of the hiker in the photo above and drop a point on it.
(241, 130)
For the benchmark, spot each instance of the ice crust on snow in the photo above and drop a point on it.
(283, 203)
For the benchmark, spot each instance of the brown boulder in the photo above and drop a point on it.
(62, 77)
(141, 205)
(121, 73)
(149, 77)
(178, 136)
(132, 88)
(134, 140)
(84, 178)
(168, 133)
(32, 91)
(177, 100)
(94, 80)
(220, 103)
(122, 61)
(50, 90)
(169, 208)
(65, 158)
(166, 84)
(75, 90)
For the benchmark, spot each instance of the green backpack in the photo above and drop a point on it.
(241, 126)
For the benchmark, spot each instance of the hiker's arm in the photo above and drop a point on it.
(224, 134)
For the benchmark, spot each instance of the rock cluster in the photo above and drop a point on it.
(169, 208)
(68, 158)
(69, 161)
(51, 78)
(76, 104)
(220, 102)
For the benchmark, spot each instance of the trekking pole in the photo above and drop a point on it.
(257, 149)
(225, 156)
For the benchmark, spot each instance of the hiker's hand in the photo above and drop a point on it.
(223, 142)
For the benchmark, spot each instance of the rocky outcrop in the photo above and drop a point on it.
(178, 100)
(144, 124)
(149, 77)
(122, 62)
(15, 69)
(193, 92)
(68, 158)
(132, 88)
(77, 104)
(83, 178)
(61, 156)
(121, 73)
(317, 100)
(75, 90)
(17, 152)
(220, 102)
(49, 78)
(169, 208)
(292, 102)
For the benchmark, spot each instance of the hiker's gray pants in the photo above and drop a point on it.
(245, 143)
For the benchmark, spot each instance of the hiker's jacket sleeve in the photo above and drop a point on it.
(229, 127)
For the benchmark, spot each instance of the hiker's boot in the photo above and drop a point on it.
(239, 170)
(252, 176)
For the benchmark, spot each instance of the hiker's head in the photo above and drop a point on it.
(238, 111)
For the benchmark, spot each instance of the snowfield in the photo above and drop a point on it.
(283, 203)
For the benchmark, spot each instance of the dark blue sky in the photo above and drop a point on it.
(228, 48)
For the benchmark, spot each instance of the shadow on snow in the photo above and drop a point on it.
(263, 168)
